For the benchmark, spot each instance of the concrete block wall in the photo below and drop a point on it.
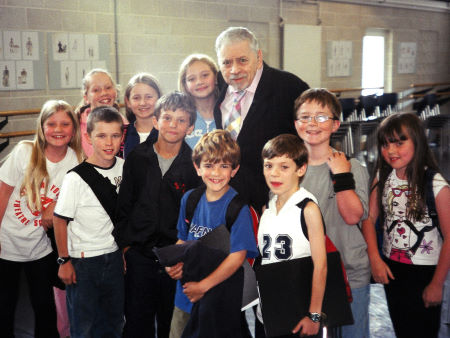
(156, 35)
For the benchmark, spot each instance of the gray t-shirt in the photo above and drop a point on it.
(347, 238)
(164, 163)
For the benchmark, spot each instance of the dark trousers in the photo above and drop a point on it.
(260, 333)
(149, 296)
(409, 316)
(39, 277)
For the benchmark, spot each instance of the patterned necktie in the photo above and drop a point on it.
(233, 122)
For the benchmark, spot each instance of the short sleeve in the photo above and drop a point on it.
(439, 182)
(242, 236)
(13, 169)
(68, 196)
(361, 177)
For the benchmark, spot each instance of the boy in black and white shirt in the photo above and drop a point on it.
(90, 261)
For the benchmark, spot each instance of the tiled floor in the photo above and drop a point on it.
(380, 322)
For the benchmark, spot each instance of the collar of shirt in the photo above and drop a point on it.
(227, 104)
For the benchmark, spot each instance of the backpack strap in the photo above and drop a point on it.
(100, 185)
(233, 209)
(302, 204)
(430, 200)
(329, 245)
(191, 203)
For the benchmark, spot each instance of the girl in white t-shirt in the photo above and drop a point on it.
(198, 78)
(415, 253)
(30, 179)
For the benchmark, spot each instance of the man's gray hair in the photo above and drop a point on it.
(236, 34)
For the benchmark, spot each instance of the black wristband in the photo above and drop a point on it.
(344, 181)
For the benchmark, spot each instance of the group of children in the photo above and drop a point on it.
(106, 236)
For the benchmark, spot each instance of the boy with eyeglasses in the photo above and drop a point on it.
(341, 188)
(156, 174)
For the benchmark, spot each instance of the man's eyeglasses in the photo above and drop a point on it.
(317, 118)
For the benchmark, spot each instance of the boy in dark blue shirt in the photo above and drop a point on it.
(216, 159)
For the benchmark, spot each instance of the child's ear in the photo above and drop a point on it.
(235, 170)
(336, 125)
(155, 122)
(88, 138)
(190, 130)
(302, 170)
(197, 169)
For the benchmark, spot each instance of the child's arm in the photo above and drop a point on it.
(195, 290)
(47, 216)
(432, 295)
(316, 236)
(66, 271)
(5, 193)
(176, 271)
(349, 204)
(380, 270)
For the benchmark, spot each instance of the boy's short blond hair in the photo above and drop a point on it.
(217, 146)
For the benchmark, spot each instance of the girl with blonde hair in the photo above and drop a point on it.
(98, 89)
(30, 179)
(198, 78)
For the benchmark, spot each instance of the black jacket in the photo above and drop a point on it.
(271, 114)
(149, 203)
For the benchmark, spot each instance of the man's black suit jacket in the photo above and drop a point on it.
(271, 114)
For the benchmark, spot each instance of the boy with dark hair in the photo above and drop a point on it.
(90, 261)
(341, 188)
(156, 175)
(216, 159)
(280, 235)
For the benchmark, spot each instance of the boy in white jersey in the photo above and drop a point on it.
(280, 234)
(90, 261)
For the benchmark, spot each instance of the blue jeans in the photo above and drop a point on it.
(360, 310)
(95, 303)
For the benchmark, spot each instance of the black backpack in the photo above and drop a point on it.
(233, 209)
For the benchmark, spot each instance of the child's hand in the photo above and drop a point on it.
(47, 216)
(380, 271)
(338, 163)
(306, 327)
(67, 273)
(175, 271)
(194, 291)
(432, 295)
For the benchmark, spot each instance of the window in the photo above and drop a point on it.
(373, 63)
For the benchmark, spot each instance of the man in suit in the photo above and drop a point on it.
(255, 104)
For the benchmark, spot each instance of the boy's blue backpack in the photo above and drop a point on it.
(431, 206)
